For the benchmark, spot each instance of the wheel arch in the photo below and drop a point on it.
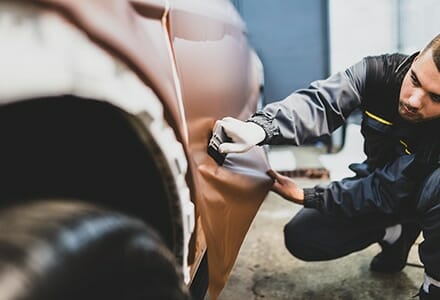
(63, 90)
(68, 146)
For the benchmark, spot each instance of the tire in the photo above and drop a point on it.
(65, 249)
(67, 68)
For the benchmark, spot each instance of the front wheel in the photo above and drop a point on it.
(65, 249)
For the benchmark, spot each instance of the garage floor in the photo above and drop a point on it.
(265, 270)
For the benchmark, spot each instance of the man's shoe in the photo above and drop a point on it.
(393, 257)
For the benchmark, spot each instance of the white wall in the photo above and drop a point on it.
(367, 27)
(359, 28)
(419, 23)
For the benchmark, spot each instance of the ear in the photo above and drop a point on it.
(417, 57)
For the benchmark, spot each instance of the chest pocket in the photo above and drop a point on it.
(380, 141)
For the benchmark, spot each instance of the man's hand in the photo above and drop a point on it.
(286, 187)
(244, 135)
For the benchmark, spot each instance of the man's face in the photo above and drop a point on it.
(420, 92)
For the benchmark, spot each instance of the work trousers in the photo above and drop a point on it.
(314, 236)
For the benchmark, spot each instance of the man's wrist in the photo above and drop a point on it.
(301, 196)
(267, 124)
(312, 198)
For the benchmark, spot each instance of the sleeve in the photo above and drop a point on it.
(384, 190)
(318, 110)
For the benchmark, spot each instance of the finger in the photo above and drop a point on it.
(228, 122)
(217, 125)
(278, 188)
(232, 148)
(218, 122)
(273, 174)
(229, 126)
(229, 119)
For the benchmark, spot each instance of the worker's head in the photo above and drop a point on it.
(420, 92)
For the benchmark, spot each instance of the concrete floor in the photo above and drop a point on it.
(265, 269)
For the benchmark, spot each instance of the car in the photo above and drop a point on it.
(113, 103)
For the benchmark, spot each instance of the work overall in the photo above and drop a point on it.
(398, 183)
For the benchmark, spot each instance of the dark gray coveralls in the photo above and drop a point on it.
(399, 182)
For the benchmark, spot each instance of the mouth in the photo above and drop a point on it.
(406, 112)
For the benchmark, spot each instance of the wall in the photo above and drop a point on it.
(359, 28)
(291, 39)
(419, 22)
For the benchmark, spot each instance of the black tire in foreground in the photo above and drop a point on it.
(59, 249)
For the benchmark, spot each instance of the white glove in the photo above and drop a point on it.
(244, 135)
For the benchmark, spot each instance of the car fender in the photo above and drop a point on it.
(49, 56)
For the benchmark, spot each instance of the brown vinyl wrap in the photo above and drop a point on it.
(219, 79)
(228, 197)
(228, 214)
(125, 29)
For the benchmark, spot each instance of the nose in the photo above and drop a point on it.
(415, 102)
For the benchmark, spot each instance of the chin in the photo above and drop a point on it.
(412, 119)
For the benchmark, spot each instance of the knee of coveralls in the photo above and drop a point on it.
(302, 243)
(295, 243)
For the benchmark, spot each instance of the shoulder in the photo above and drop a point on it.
(377, 69)
(382, 71)
(385, 64)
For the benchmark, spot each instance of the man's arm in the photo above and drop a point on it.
(315, 111)
(384, 190)
(301, 117)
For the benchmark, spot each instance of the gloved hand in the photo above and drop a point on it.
(244, 135)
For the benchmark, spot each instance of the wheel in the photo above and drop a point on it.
(66, 249)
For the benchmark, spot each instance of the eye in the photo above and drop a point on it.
(435, 98)
(414, 80)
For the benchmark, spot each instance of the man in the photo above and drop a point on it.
(396, 190)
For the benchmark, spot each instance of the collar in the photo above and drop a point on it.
(405, 65)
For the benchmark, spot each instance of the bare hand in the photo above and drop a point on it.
(286, 187)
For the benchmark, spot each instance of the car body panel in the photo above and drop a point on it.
(124, 29)
(195, 56)
(211, 53)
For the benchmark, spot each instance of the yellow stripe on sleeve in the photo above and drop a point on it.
(379, 119)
